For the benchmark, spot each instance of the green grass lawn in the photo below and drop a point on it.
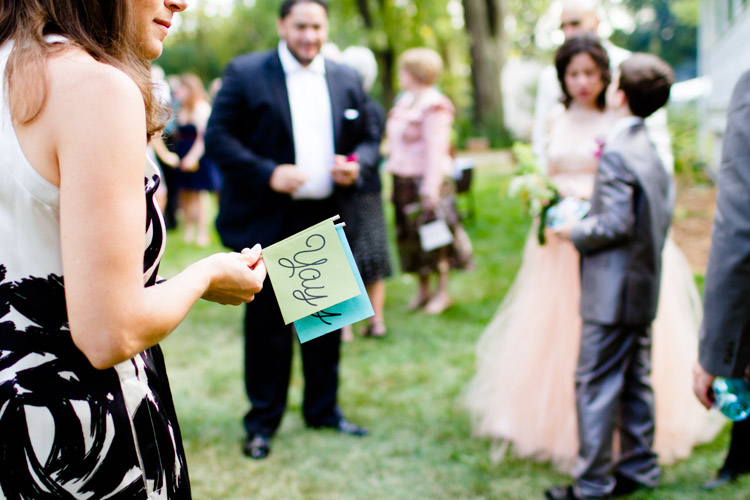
(406, 388)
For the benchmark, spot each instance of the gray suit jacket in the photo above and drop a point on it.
(725, 336)
(621, 239)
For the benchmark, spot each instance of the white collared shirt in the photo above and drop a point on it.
(312, 123)
(621, 125)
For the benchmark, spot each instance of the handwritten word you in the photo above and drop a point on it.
(307, 269)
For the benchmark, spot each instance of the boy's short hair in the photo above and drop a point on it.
(646, 80)
(286, 6)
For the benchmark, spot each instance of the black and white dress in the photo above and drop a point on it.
(68, 430)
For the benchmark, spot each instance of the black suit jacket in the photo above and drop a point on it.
(249, 133)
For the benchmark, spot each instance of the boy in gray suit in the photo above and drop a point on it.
(620, 242)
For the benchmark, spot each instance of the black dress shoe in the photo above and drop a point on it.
(343, 426)
(724, 476)
(567, 493)
(625, 486)
(560, 493)
(346, 427)
(257, 446)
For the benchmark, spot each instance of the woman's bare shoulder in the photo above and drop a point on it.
(555, 114)
(74, 76)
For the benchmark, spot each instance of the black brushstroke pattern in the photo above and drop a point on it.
(65, 376)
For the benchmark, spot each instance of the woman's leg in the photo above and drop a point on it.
(376, 291)
(423, 294)
(442, 299)
(189, 200)
(202, 209)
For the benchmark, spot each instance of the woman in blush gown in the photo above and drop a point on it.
(523, 391)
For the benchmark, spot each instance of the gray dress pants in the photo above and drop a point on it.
(613, 392)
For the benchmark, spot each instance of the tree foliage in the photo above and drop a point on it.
(473, 36)
(667, 28)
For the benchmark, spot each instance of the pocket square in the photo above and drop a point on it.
(351, 114)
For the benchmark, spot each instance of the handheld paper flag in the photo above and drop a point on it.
(310, 271)
(342, 314)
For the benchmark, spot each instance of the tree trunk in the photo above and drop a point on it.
(385, 56)
(484, 25)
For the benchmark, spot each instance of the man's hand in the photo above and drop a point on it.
(702, 381)
(345, 170)
(287, 178)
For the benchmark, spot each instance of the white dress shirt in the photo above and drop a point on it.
(620, 126)
(312, 123)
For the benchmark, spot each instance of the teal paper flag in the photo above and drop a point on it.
(310, 271)
(342, 314)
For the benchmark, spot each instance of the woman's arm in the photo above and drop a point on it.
(615, 221)
(437, 136)
(165, 155)
(94, 122)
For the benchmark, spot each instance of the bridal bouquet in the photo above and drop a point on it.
(536, 190)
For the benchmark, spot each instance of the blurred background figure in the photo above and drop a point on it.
(419, 135)
(198, 176)
(534, 338)
(158, 150)
(370, 248)
(579, 17)
(213, 88)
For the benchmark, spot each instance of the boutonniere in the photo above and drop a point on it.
(351, 114)
(599, 147)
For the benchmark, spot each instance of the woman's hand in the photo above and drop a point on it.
(430, 202)
(188, 164)
(236, 277)
(170, 159)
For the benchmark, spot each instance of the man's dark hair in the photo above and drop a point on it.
(583, 44)
(286, 6)
(646, 81)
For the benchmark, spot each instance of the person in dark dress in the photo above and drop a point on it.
(370, 248)
(198, 176)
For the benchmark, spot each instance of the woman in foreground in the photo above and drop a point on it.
(85, 405)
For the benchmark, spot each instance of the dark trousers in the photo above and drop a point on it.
(269, 345)
(613, 392)
(738, 456)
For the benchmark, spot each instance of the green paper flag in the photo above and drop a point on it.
(310, 271)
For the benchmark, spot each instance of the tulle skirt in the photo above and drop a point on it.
(523, 392)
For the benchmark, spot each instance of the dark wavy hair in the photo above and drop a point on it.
(583, 44)
(103, 28)
(286, 6)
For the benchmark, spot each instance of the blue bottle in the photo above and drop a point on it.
(732, 397)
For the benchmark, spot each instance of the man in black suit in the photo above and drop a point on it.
(289, 132)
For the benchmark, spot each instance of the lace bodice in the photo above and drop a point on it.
(574, 141)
